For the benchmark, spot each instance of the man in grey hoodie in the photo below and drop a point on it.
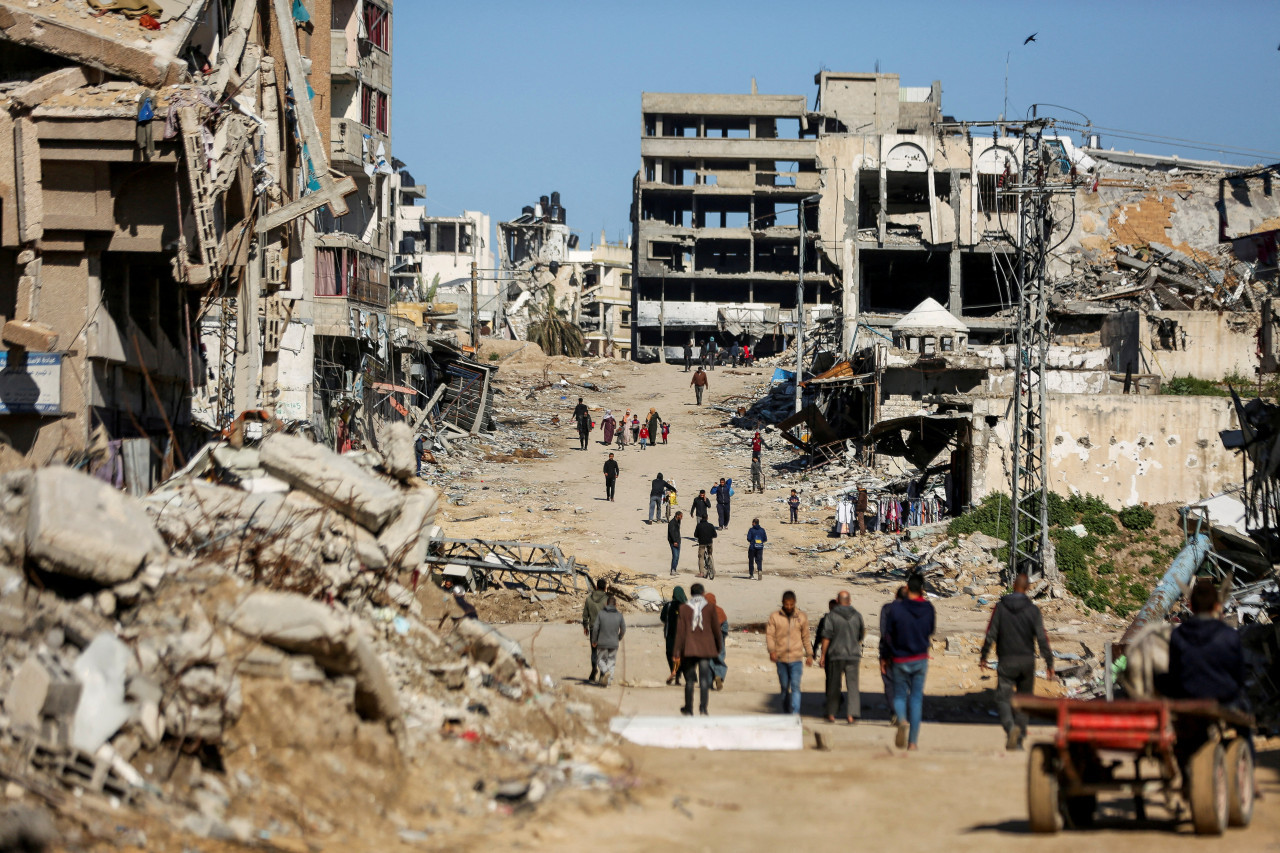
(1016, 627)
(842, 634)
(590, 613)
(606, 636)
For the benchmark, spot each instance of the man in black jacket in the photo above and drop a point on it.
(1015, 628)
(611, 471)
(1206, 658)
(584, 428)
(580, 409)
(673, 539)
(688, 356)
(701, 506)
(657, 489)
(703, 534)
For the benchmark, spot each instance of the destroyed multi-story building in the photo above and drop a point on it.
(906, 209)
(196, 220)
(435, 259)
(542, 271)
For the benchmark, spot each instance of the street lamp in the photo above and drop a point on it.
(800, 302)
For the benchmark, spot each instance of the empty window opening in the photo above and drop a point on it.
(787, 128)
(868, 198)
(987, 283)
(723, 256)
(907, 192)
(777, 257)
(895, 281)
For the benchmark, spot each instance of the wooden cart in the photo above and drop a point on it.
(1192, 753)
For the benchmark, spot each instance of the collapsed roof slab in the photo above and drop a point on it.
(111, 43)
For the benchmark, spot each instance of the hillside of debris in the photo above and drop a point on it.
(150, 646)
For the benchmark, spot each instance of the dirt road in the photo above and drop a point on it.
(961, 791)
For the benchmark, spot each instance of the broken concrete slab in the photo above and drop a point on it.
(754, 732)
(101, 670)
(34, 686)
(331, 479)
(81, 527)
(405, 539)
(397, 451)
(300, 625)
(36, 337)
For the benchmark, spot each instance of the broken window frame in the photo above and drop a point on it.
(377, 25)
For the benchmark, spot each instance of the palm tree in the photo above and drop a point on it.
(556, 335)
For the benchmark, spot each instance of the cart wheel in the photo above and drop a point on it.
(1081, 810)
(1207, 775)
(1043, 807)
(1240, 790)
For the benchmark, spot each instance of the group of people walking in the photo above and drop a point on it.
(629, 430)
(695, 629)
(711, 352)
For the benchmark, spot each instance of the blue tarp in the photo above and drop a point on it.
(780, 375)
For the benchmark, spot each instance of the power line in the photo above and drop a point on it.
(1152, 137)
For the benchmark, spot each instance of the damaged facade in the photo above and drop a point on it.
(542, 273)
(184, 239)
(909, 211)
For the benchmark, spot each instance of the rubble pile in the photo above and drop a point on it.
(149, 644)
(1154, 276)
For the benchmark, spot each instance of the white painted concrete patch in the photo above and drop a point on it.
(731, 733)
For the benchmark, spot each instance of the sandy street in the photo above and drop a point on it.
(962, 791)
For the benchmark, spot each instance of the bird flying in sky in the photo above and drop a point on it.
(1031, 37)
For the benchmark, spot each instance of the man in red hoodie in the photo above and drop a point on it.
(909, 625)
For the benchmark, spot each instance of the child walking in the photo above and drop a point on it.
(793, 503)
(644, 436)
(666, 430)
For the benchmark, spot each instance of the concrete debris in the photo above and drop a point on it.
(332, 480)
(81, 527)
(297, 624)
(24, 829)
(229, 596)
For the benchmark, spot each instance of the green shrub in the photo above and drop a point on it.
(1071, 555)
(1100, 525)
(1107, 568)
(992, 517)
(1087, 504)
(1089, 543)
(1190, 386)
(1060, 512)
(1137, 517)
(1139, 591)
(493, 356)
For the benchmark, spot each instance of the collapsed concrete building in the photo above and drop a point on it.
(184, 238)
(908, 210)
(542, 272)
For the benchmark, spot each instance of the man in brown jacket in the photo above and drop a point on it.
(698, 642)
(699, 383)
(787, 638)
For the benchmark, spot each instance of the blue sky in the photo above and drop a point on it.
(497, 103)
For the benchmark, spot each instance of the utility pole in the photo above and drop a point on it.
(804, 238)
(1029, 551)
(475, 311)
